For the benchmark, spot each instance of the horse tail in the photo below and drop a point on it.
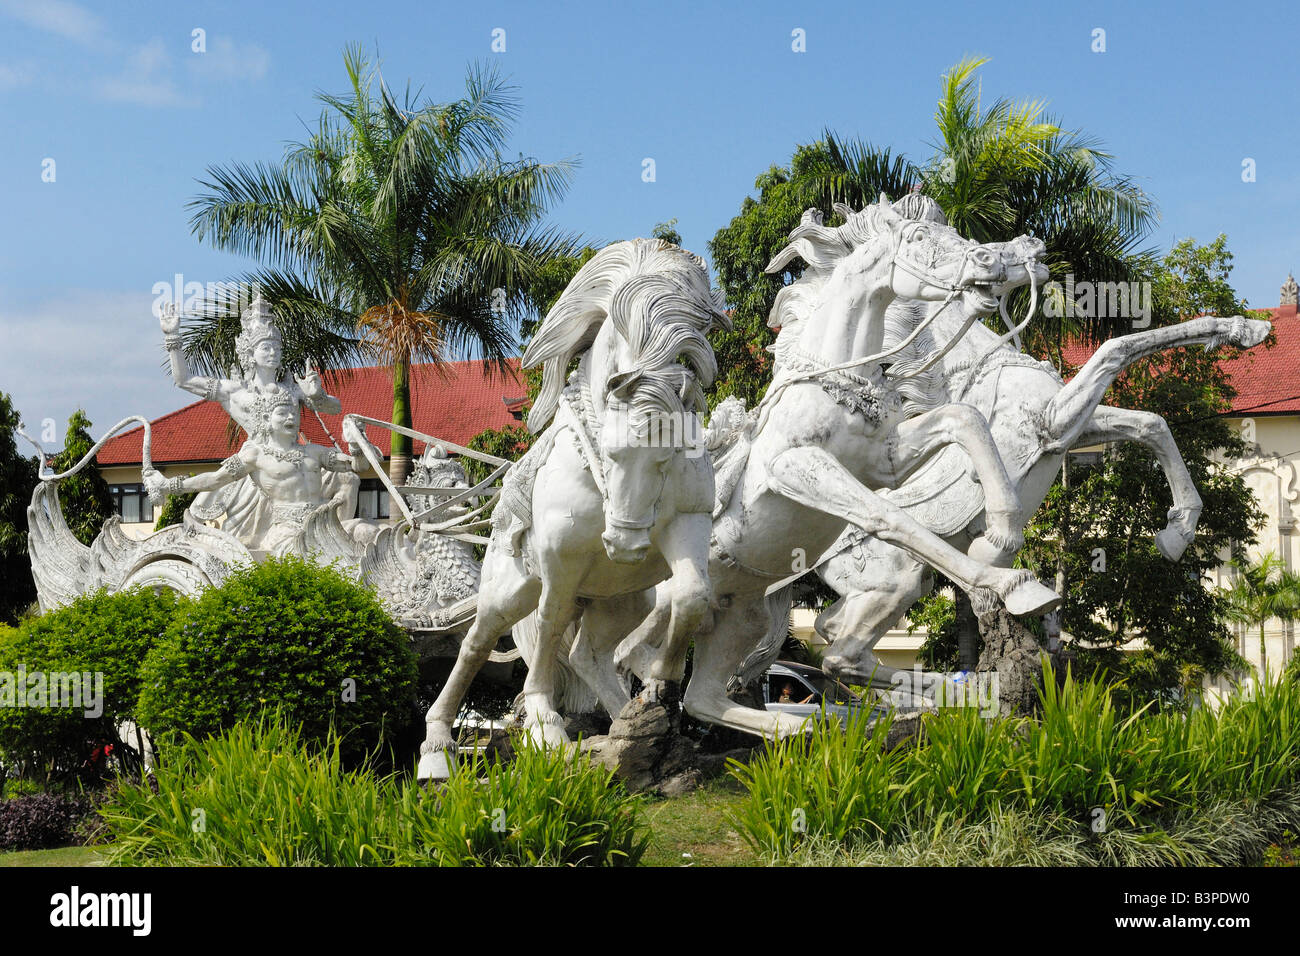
(769, 648)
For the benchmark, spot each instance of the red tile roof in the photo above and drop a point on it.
(454, 402)
(1267, 379)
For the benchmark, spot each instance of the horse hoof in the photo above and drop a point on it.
(1172, 543)
(1031, 597)
(435, 765)
(548, 731)
(1247, 333)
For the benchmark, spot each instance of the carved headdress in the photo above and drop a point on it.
(258, 323)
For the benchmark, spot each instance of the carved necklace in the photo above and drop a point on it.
(294, 456)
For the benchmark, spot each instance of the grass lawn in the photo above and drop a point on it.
(696, 824)
(63, 856)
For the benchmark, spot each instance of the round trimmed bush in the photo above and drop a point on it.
(105, 636)
(286, 634)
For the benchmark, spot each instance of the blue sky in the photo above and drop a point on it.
(713, 92)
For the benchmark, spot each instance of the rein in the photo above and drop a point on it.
(46, 474)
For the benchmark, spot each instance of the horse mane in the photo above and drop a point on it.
(658, 297)
(822, 247)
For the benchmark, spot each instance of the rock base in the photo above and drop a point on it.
(646, 750)
(1013, 652)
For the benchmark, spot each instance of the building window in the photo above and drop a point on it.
(131, 503)
(372, 499)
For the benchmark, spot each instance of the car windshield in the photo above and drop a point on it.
(829, 690)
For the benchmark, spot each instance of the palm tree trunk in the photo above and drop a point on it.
(399, 464)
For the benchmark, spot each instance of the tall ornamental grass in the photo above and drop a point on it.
(259, 794)
(1081, 766)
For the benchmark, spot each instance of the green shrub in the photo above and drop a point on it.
(283, 634)
(260, 795)
(98, 634)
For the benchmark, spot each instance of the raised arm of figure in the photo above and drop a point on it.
(213, 389)
(313, 392)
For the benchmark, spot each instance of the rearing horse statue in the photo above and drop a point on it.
(1035, 419)
(615, 496)
(833, 431)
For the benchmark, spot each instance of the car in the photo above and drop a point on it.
(805, 691)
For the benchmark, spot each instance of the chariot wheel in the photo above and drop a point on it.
(168, 574)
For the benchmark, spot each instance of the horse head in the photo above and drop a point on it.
(641, 309)
(889, 251)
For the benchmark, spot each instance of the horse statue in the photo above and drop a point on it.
(1035, 419)
(615, 495)
(803, 464)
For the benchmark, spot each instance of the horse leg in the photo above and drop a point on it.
(556, 610)
(604, 624)
(814, 478)
(685, 547)
(637, 652)
(508, 596)
(874, 598)
(1069, 413)
(717, 655)
(1151, 431)
(963, 425)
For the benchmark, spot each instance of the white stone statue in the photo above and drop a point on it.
(608, 502)
(276, 495)
(836, 428)
(287, 473)
(259, 383)
(184, 557)
(1035, 419)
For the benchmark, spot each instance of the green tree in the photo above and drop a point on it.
(1263, 590)
(84, 497)
(17, 481)
(997, 171)
(173, 509)
(1098, 522)
(396, 229)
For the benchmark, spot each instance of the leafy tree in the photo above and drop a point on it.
(84, 497)
(396, 229)
(173, 509)
(998, 172)
(1261, 591)
(667, 231)
(17, 481)
(1098, 523)
(740, 252)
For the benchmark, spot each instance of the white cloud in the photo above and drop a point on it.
(93, 350)
(226, 59)
(146, 79)
(13, 76)
(60, 17)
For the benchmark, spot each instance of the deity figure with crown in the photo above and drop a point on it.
(276, 495)
(259, 384)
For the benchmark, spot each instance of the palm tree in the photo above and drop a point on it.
(396, 230)
(1261, 591)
